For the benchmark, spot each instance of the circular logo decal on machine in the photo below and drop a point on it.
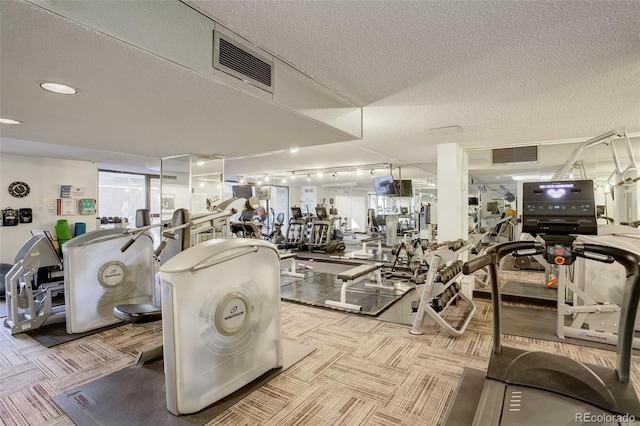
(232, 314)
(230, 318)
(112, 274)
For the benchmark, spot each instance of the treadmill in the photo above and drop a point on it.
(524, 387)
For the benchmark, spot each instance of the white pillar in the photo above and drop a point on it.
(453, 193)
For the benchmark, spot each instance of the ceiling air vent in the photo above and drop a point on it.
(524, 154)
(237, 58)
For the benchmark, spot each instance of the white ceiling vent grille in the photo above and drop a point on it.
(245, 62)
(524, 154)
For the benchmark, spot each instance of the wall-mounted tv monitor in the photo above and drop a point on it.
(242, 191)
(473, 201)
(403, 188)
(384, 185)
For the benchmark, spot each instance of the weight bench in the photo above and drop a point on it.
(371, 240)
(292, 272)
(363, 254)
(354, 275)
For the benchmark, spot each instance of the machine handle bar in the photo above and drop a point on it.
(161, 247)
(495, 253)
(128, 244)
(609, 254)
(477, 263)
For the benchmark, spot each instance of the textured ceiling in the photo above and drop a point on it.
(506, 72)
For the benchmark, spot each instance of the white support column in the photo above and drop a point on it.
(453, 193)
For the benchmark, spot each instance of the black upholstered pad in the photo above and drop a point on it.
(138, 313)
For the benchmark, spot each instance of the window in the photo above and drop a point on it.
(120, 195)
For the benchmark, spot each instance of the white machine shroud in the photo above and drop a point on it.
(98, 276)
(604, 282)
(221, 320)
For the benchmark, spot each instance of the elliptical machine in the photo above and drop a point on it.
(531, 387)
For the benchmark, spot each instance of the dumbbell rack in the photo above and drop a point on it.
(443, 285)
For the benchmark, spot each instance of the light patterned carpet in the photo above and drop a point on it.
(363, 372)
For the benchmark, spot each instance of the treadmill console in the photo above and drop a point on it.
(559, 208)
(296, 213)
(559, 253)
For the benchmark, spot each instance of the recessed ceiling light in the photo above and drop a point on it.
(9, 121)
(61, 89)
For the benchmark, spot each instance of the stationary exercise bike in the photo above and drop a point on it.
(530, 387)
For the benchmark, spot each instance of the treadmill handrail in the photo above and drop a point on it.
(492, 258)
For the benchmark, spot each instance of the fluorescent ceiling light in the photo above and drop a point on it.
(9, 121)
(61, 89)
(532, 177)
(446, 130)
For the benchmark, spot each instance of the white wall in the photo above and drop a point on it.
(44, 176)
(312, 195)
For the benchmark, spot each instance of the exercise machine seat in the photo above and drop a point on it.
(137, 313)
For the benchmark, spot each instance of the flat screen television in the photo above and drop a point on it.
(384, 185)
(242, 191)
(403, 188)
(473, 201)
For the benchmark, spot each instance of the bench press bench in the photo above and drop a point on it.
(353, 276)
(293, 268)
(365, 241)
(363, 254)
